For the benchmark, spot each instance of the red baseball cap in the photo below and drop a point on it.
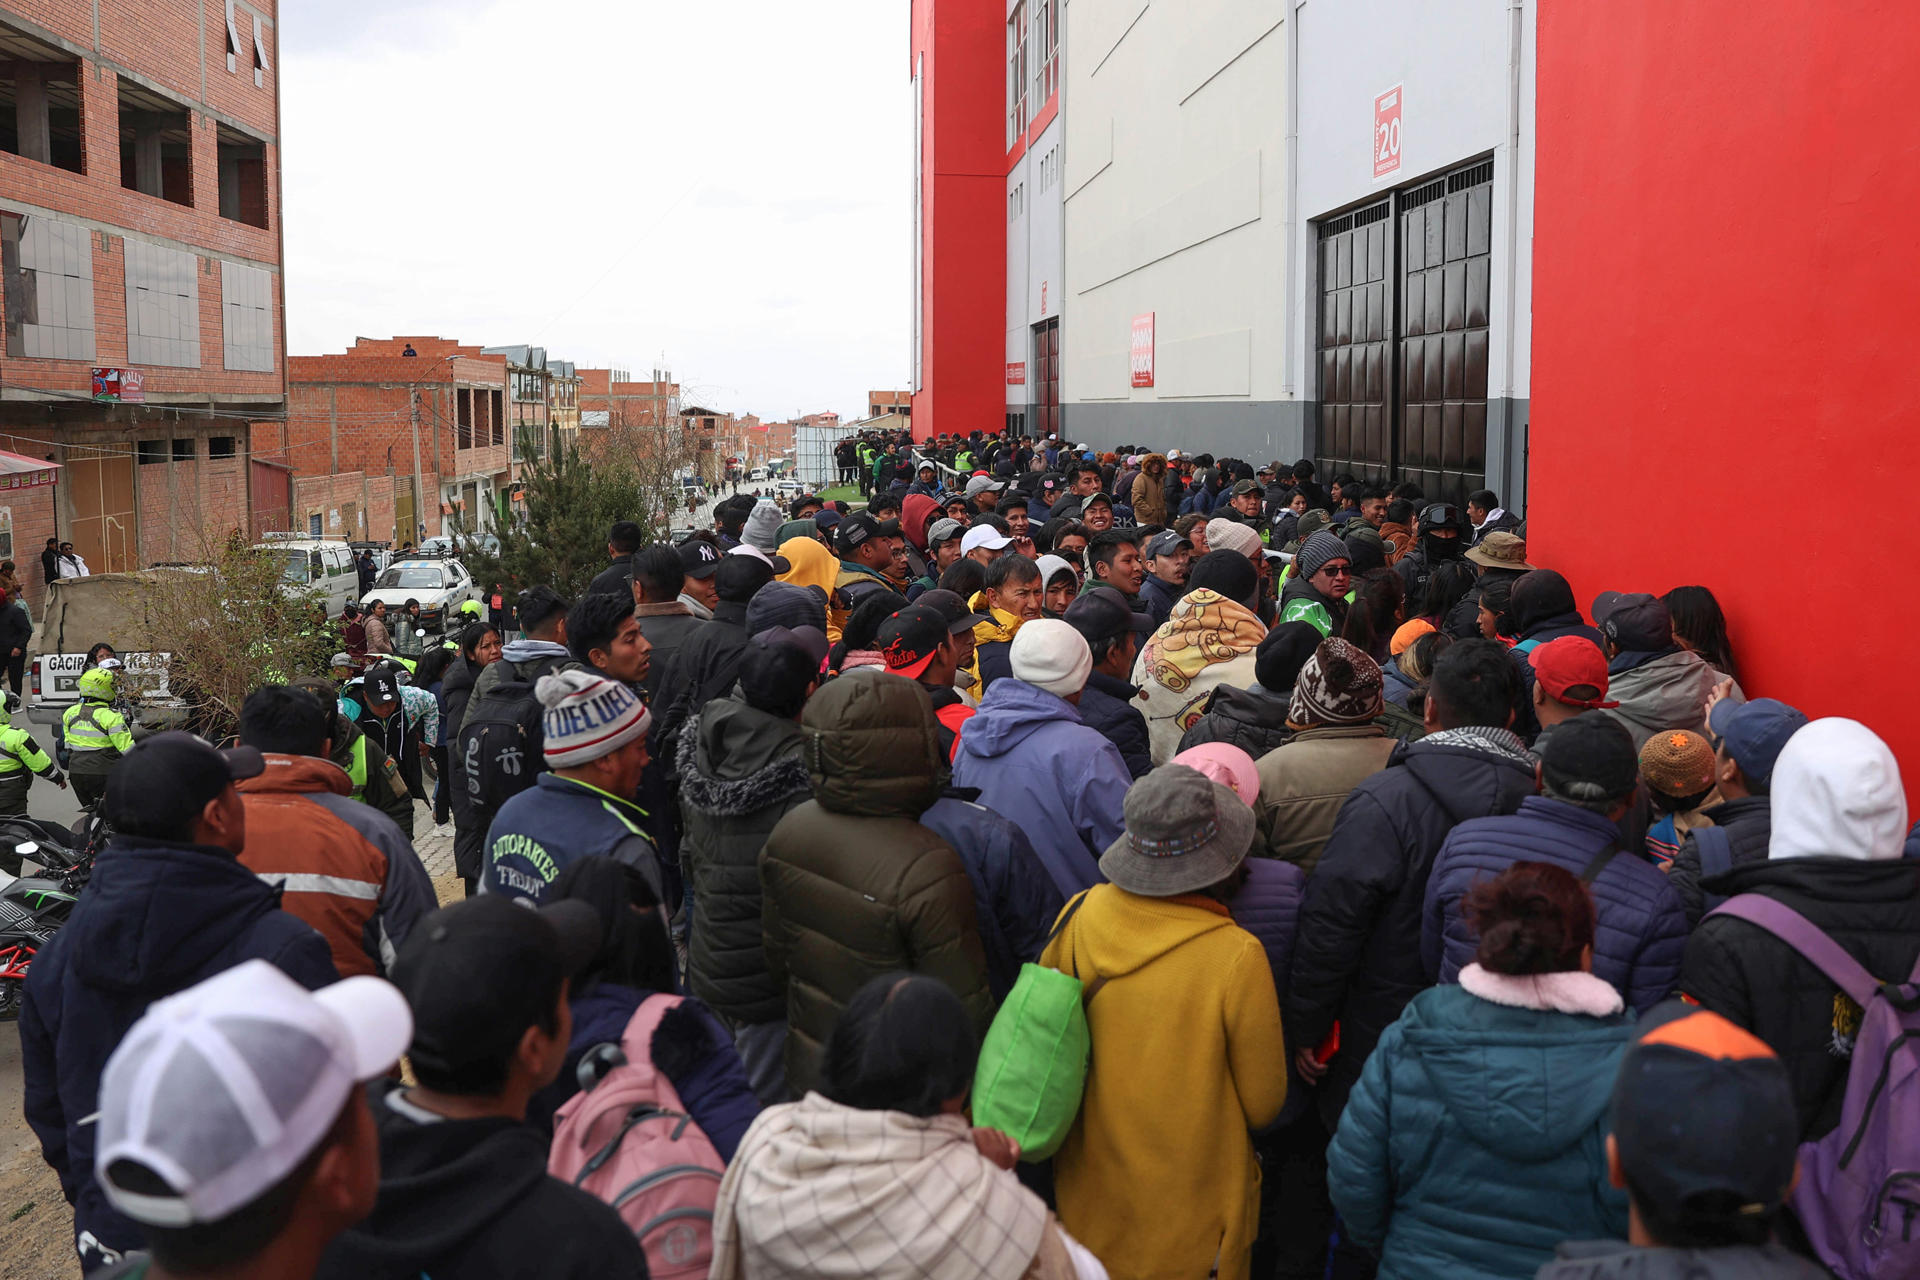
(1573, 671)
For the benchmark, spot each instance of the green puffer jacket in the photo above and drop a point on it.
(741, 771)
(854, 887)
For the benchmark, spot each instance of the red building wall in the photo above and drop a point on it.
(961, 48)
(1724, 379)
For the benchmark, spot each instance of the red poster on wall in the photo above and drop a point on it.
(1386, 132)
(1140, 351)
(1017, 374)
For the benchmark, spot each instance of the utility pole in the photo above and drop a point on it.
(419, 479)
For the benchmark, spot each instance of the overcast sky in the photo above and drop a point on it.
(727, 186)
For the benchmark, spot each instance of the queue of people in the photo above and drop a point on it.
(1069, 865)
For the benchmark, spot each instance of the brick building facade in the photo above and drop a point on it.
(139, 230)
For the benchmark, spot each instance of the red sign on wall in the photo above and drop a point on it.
(1386, 132)
(1017, 374)
(1140, 351)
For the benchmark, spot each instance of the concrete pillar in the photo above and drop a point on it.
(30, 111)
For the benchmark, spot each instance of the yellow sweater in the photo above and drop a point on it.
(1157, 1176)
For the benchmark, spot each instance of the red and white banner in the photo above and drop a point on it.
(1386, 132)
(1140, 351)
(1017, 374)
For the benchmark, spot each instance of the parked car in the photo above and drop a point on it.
(440, 585)
(324, 564)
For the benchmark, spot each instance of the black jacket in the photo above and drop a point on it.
(16, 629)
(472, 1198)
(1357, 959)
(1107, 705)
(1159, 598)
(614, 580)
(456, 690)
(1618, 1260)
(1748, 823)
(704, 669)
(156, 918)
(1253, 720)
(740, 771)
(1753, 979)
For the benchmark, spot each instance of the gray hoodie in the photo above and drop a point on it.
(1667, 692)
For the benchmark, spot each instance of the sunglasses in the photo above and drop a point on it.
(1335, 570)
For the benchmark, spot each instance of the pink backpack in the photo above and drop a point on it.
(625, 1138)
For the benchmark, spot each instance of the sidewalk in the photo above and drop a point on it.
(435, 847)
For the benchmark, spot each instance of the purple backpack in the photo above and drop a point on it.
(1859, 1192)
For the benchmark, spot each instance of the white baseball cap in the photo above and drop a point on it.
(223, 1089)
(984, 535)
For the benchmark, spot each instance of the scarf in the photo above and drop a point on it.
(1503, 743)
(822, 1190)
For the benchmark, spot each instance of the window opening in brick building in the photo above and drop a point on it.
(243, 177)
(184, 450)
(47, 267)
(498, 418)
(156, 144)
(246, 317)
(163, 305)
(219, 446)
(40, 102)
(152, 451)
(463, 415)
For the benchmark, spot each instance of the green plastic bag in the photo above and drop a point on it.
(1033, 1063)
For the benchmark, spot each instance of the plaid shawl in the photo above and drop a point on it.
(822, 1190)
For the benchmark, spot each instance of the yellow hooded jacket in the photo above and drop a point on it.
(814, 566)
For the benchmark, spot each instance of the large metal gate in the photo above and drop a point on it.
(1404, 335)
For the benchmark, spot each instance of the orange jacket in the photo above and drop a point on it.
(342, 866)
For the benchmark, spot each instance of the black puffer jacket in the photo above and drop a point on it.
(1750, 977)
(854, 886)
(741, 771)
(1358, 955)
(1748, 823)
(1112, 706)
(1253, 720)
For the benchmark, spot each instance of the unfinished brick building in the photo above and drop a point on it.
(140, 240)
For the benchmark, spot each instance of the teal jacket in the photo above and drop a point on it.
(1475, 1141)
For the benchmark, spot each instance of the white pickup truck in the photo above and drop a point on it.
(80, 613)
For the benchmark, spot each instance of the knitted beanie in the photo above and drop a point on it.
(1317, 550)
(1339, 685)
(588, 716)
(1231, 535)
(1049, 654)
(1678, 763)
(763, 526)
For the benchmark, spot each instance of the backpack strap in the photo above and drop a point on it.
(1805, 937)
(1599, 864)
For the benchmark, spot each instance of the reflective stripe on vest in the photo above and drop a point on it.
(83, 731)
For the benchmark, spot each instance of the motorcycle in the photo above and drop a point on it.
(34, 907)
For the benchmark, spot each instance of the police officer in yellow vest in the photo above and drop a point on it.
(96, 735)
(21, 758)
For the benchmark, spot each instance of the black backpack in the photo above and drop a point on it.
(499, 749)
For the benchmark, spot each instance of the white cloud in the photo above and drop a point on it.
(727, 184)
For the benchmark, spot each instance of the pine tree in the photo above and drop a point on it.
(561, 543)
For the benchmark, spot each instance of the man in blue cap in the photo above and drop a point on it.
(1747, 738)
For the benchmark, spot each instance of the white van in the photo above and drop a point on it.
(323, 564)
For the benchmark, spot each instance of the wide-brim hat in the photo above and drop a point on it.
(1501, 550)
(1185, 833)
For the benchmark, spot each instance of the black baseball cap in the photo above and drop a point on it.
(911, 638)
(1702, 1107)
(1101, 613)
(959, 617)
(699, 558)
(738, 577)
(478, 973)
(854, 530)
(1165, 543)
(1590, 757)
(1634, 620)
(380, 687)
(168, 778)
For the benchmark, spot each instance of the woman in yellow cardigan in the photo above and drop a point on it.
(1158, 1177)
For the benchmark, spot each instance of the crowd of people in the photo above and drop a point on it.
(1059, 864)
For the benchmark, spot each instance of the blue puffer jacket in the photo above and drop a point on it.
(690, 1048)
(1035, 762)
(155, 919)
(1015, 900)
(1111, 708)
(1395, 687)
(1268, 907)
(1476, 1139)
(1641, 926)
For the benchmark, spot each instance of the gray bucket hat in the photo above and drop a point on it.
(1184, 833)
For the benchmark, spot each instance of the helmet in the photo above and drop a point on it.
(471, 608)
(97, 683)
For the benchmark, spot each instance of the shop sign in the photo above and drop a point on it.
(1017, 374)
(1386, 133)
(120, 386)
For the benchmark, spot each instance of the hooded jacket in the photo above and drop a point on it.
(814, 566)
(1149, 491)
(1659, 692)
(1036, 763)
(343, 867)
(1357, 960)
(1640, 927)
(1207, 641)
(918, 510)
(1157, 1175)
(1252, 719)
(1304, 784)
(741, 771)
(156, 918)
(1014, 898)
(1618, 1260)
(853, 885)
(1476, 1139)
(1108, 706)
(472, 1198)
(992, 643)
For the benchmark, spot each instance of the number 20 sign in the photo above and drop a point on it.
(1386, 133)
